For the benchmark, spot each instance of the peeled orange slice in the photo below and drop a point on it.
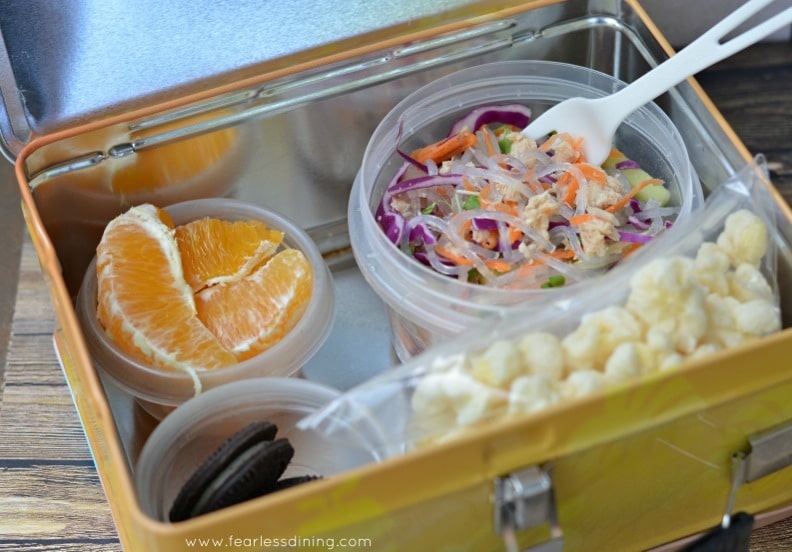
(144, 302)
(252, 314)
(215, 251)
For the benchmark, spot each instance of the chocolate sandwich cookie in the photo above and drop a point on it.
(249, 464)
(289, 482)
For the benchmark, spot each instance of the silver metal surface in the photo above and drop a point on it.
(75, 60)
(771, 451)
(738, 470)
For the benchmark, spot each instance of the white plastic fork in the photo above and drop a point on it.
(596, 120)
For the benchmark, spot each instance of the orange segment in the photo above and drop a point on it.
(215, 251)
(252, 314)
(144, 303)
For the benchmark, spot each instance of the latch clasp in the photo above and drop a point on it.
(523, 500)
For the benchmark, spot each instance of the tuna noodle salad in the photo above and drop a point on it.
(489, 206)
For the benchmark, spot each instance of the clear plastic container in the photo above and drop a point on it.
(159, 391)
(194, 430)
(425, 307)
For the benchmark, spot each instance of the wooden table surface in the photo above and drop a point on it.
(50, 495)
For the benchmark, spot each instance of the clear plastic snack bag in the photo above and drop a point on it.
(713, 287)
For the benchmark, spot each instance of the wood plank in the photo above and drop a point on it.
(752, 91)
(31, 360)
(62, 545)
(50, 494)
(40, 422)
(50, 501)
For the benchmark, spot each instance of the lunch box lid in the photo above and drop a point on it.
(64, 64)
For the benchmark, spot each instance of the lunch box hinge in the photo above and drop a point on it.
(523, 500)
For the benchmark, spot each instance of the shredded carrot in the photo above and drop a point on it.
(508, 207)
(563, 254)
(485, 192)
(577, 220)
(526, 269)
(488, 142)
(505, 129)
(514, 234)
(548, 144)
(451, 256)
(467, 185)
(629, 195)
(572, 186)
(534, 183)
(631, 249)
(577, 145)
(495, 264)
(592, 173)
(466, 228)
(446, 148)
(498, 266)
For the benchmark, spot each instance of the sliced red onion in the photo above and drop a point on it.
(422, 258)
(420, 233)
(635, 205)
(632, 237)
(482, 224)
(627, 164)
(412, 161)
(421, 182)
(384, 206)
(638, 223)
(397, 186)
(509, 114)
(555, 223)
(393, 225)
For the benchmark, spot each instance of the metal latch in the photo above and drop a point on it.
(734, 532)
(523, 500)
(770, 452)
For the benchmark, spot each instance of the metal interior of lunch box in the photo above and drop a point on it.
(301, 138)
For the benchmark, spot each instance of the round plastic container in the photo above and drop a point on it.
(425, 307)
(159, 391)
(179, 444)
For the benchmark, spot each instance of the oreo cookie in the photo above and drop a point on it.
(247, 465)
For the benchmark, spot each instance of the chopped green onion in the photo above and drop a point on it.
(472, 202)
(473, 276)
(429, 208)
(556, 280)
(505, 145)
